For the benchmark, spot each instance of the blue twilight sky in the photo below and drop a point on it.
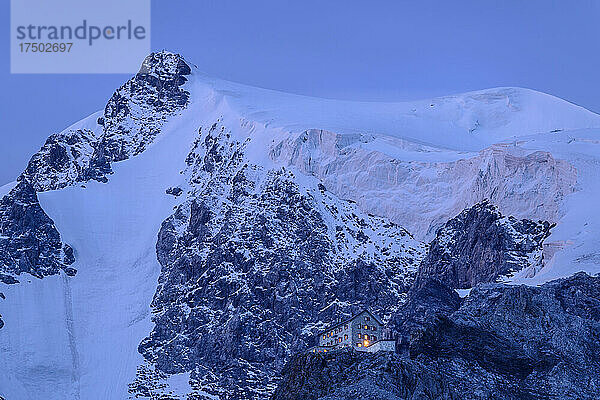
(375, 50)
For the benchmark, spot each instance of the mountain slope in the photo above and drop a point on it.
(254, 264)
(486, 348)
(262, 216)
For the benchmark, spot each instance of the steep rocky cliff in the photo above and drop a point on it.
(508, 342)
(29, 241)
(426, 300)
(482, 245)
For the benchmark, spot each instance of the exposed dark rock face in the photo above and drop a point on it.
(255, 265)
(353, 375)
(507, 342)
(542, 338)
(426, 301)
(174, 191)
(61, 160)
(481, 245)
(29, 241)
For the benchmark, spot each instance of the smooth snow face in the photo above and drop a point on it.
(464, 122)
(4, 189)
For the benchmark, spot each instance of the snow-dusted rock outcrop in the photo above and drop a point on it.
(481, 245)
(254, 264)
(29, 240)
(137, 110)
(62, 160)
(131, 120)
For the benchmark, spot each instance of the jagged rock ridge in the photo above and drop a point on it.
(133, 117)
(131, 120)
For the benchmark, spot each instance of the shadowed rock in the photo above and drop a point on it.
(505, 342)
(480, 245)
(29, 241)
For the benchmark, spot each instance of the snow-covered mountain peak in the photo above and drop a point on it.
(219, 227)
(165, 66)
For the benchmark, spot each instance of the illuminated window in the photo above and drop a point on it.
(345, 337)
(340, 340)
(367, 337)
(346, 326)
(367, 327)
(324, 336)
(365, 343)
(359, 336)
(358, 344)
(374, 328)
(374, 338)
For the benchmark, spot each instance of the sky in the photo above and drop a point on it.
(373, 51)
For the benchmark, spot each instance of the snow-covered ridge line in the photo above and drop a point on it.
(131, 120)
(463, 122)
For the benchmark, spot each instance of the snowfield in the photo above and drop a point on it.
(420, 163)
(416, 163)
